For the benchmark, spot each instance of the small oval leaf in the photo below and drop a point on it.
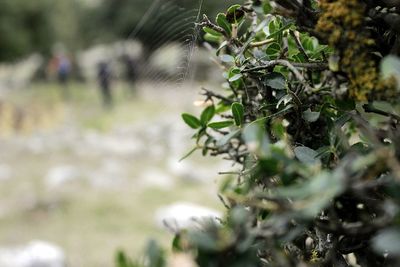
(311, 116)
(220, 124)
(235, 14)
(306, 155)
(227, 58)
(223, 23)
(191, 120)
(275, 80)
(207, 115)
(212, 32)
(235, 77)
(238, 113)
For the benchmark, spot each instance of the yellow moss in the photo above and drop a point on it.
(341, 24)
(314, 257)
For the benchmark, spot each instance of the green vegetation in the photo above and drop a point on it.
(310, 119)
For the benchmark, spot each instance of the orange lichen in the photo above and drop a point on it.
(341, 24)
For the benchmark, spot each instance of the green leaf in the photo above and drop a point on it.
(274, 25)
(235, 14)
(227, 58)
(191, 120)
(311, 116)
(203, 240)
(273, 50)
(333, 63)
(223, 23)
(285, 100)
(207, 115)
(222, 45)
(212, 32)
(155, 255)
(179, 241)
(226, 138)
(220, 124)
(306, 155)
(211, 38)
(293, 50)
(235, 77)
(308, 43)
(275, 80)
(267, 8)
(238, 113)
(256, 139)
(345, 104)
(122, 260)
(188, 154)
(314, 194)
(238, 215)
(272, 33)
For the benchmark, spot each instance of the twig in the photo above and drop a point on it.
(290, 65)
(273, 63)
(210, 94)
(371, 109)
(206, 22)
(303, 52)
(261, 43)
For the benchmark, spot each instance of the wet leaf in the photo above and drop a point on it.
(235, 77)
(256, 139)
(275, 80)
(311, 116)
(306, 155)
(227, 58)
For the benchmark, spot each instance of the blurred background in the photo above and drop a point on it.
(91, 93)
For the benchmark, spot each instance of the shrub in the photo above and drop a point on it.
(308, 119)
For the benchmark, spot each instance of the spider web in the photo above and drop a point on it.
(168, 26)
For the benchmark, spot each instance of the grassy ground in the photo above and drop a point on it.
(90, 221)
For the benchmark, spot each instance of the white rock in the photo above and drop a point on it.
(111, 174)
(114, 144)
(60, 175)
(186, 171)
(35, 254)
(156, 178)
(183, 215)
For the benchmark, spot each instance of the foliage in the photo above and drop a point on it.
(309, 120)
(28, 27)
(169, 20)
(24, 28)
(35, 26)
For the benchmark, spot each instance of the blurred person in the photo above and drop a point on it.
(131, 68)
(63, 69)
(104, 77)
(61, 66)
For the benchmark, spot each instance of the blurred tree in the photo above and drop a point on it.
(25, 27)
(119, 18)
(35, 26)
